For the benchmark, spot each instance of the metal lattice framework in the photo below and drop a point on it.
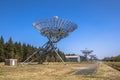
(54, 29)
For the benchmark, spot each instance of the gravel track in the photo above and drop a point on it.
(87, 71)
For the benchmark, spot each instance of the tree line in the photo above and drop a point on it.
(19, 51)
(113, 59)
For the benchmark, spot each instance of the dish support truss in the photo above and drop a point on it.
(43, 51)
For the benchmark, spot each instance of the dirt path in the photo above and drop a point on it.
(87, 71)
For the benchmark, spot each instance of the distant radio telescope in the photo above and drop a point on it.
(86, 53)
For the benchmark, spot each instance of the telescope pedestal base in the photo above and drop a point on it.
(30, 59)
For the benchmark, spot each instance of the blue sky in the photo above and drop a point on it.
(98, 23)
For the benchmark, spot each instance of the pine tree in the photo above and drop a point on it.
(9, 49)
(25, 52)
(17, 51)
(2, 56)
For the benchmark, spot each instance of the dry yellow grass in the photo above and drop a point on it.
(55, 71)
(107, 73)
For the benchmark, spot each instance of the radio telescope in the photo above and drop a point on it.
(54, 29)
(86, 53)
(93, 57)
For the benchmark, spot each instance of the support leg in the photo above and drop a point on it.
(59, 57)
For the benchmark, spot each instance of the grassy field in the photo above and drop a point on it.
(115, 65)
(56, 71)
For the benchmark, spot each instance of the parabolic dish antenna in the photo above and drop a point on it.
(54, 29)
